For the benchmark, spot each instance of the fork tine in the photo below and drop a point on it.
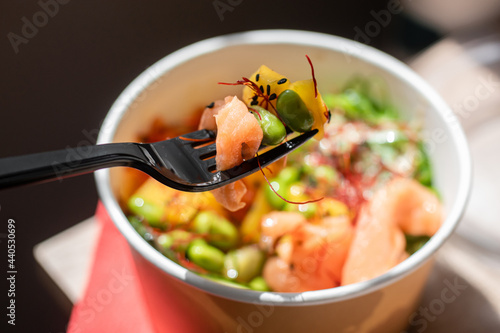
(205, 151)
(197, 136)
(210, 164)
(186, 171)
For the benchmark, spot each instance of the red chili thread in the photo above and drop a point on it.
(252, 85)
(313, 76)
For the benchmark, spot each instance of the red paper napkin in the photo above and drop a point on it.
(113, 300)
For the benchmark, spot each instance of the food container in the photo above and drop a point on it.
(184, 82)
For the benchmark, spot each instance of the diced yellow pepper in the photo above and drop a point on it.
(263, 78)
(250, 226)
(332, 207)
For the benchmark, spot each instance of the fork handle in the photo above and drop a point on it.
(59, 164)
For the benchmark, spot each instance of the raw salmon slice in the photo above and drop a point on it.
(231, 195)
(340, 235)
(401, 206)
(417, 209)
(207, 120)
(239, 134)
(378, 245)
(309, 256)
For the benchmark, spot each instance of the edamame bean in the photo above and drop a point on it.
(293, 111)
(297, 194)
(177, 240)
(225, 282)
(173, 242)
(153, 214)
(281, 185)
(281, 188)
(202, 222)
(273, 129)
(206, 256)
(307, 209)
(223, 234)
(220, 232)
(325, 175)
(258, 283)
(289, 174)
(243, 264)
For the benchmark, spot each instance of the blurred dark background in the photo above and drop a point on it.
(58, 80)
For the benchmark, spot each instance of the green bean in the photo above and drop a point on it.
(243, 264)
(219, 231)
(272, 128)
(205, 256)
(293, 111)
(258, 283)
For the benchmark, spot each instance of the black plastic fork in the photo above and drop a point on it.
(185, 163)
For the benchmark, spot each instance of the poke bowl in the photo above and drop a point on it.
(178, 87)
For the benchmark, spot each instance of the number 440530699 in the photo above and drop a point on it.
(11, 244)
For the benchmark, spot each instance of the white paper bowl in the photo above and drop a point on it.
(186, 80)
